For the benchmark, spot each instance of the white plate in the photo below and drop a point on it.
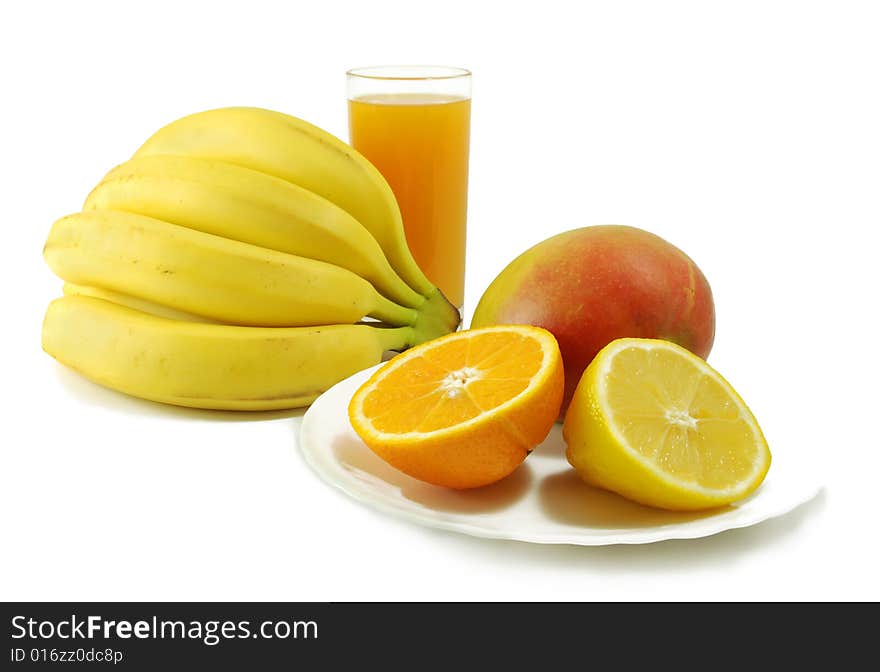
(543, 501)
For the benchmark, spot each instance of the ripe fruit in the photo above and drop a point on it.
(655, 423)
(209, 365)
(221, 279)
(463, 410)
(243, 219)
(246, 205)
(592, 285)
(294, 150)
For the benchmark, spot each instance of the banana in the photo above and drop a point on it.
(209, 365)
(296, 151)
(225, 280)
(71, 289)
(252, 207)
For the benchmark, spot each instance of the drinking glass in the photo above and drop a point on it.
(413, 124)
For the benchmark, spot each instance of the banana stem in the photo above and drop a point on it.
(436, 318)
(409, 270)
(394, 338)
(397, 290)
(392, 313)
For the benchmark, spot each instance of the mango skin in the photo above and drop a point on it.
(592, 285)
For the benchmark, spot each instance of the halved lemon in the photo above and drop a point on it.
(658, 425)
(463, 410)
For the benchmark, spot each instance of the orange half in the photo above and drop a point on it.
(463, 410)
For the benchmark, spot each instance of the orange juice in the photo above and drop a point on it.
(420, 143)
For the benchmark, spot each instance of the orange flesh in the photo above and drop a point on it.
(453, 383)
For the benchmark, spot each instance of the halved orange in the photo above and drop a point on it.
(463, 410)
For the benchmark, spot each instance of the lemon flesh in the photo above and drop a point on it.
(656, 424)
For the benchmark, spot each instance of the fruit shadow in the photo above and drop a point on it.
(564, 497)
(675, 556)
(96, 395)
(357, 458)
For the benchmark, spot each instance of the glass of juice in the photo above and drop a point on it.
(413, 124)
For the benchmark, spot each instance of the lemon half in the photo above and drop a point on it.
(658, 425)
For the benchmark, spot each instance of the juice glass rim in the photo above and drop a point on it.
(408, 72)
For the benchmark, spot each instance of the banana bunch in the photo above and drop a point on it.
(242, 259)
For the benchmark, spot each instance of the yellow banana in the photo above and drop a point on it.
(294, 150)
(128, 301)
(200, 273)
(246, 205)
(209, 365)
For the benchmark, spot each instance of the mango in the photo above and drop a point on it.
(592, 285)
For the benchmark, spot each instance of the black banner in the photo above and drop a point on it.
(246, 636)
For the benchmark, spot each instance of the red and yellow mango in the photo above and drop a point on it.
(593, 285)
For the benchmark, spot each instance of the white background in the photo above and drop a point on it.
(746, 133)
